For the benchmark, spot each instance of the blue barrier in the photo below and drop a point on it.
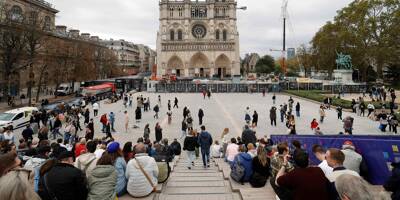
(378, 151)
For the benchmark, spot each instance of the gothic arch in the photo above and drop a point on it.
(175, 63)
(199, 60)
(222, 61)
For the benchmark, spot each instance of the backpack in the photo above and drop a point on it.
(238, 171)
(163, 171)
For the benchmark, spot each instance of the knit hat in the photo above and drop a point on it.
(348, 145)
(113, 147)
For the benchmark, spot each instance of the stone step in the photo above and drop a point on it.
(193, 174)
(200, 197)
(184, 184)
(197, 190)
(198, 171)
(194, 179)
(211, 168)
(152, 196)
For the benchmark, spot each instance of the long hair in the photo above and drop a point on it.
(15, 185)
(225, 132)
(115, 155)
(262, 156)
(7, 161)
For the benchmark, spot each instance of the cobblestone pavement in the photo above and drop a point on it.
(224, 111)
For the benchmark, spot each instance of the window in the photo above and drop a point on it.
(180, 12)
(224, 35)
(47, 23)
(171, 12)
(19, 116)
(16, 13)
(33, 17)
(217, 35)
(172, 35)
(179, 34)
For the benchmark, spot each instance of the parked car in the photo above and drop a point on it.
(17, 118)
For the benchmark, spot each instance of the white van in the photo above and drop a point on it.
(17, 118)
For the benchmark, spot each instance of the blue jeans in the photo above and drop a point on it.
(56, 131)
(205, 155)
(67, 136)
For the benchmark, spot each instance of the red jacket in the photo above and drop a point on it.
(314, 125)
(103, 119)
(79, 149)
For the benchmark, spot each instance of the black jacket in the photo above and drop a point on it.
(248, 136)
(393, 183)
(201, 113)
(190, 143)
(66, 183)
(176, 147)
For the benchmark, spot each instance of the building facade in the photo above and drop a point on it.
(198, 38)
(127, 53)
(250, 62)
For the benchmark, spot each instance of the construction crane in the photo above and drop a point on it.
(284, 17)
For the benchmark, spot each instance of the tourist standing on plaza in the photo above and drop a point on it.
(189, 121)
(200, 115)
(126, 99)
(348, 125)
(247, 117)
(111, 118)
(205, 141)
(282, 112)
(96, 107)
(339, 111)
(146, 132)
(169, 114)
(56, 127)
(204, 94)
(138, 114)
(248, 136)
(130, 100)
(189, 146)
(103, 120)
(255, 119)
(314, 124)
(393, 123)
(158, 132)
(176, 103)
(156, 109)
(87, 116)
(159, 101)
(273, 99)
(298, 109)
(27, 134)
(209, 93)
(185, 112)
(169, 104)
(383, 122)
(321, 114)
(272, 116)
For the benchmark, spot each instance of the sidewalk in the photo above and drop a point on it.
(23, 103)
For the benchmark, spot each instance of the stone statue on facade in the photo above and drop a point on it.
(343, 61)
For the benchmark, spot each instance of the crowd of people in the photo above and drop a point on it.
(70, 166)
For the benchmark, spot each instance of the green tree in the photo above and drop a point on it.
(265, 65)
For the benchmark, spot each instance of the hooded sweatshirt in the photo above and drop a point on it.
(102, 182)
(247, 162)
(86, 162)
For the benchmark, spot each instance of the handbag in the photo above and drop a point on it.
(238, 171)
(146, 175)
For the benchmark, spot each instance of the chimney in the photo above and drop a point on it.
(61, 30)
(85, 36)
(74, 33)
(95, 38)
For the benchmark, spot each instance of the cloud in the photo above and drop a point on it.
(260, 26)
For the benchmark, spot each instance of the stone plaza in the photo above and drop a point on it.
(224, 111)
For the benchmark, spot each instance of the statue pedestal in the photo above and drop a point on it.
(343, 75)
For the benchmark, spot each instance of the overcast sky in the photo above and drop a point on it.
(260, 26)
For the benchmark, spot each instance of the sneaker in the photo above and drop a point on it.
(189, 168)
(193, 164)
(205, 167)
(208, 166)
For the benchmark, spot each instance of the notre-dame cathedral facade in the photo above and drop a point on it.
(198, 38)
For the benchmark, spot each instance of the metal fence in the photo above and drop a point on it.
(188, 87)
